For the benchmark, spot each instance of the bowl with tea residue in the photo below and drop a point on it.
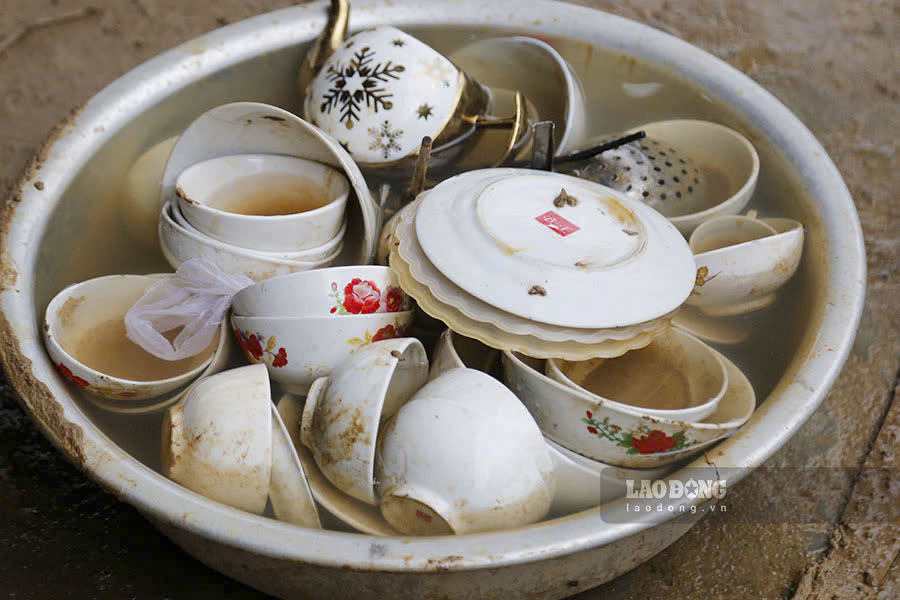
(675, 377)
(742, 261)
(84, 330)
(264, 202)
(623, 437)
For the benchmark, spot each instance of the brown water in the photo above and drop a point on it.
(648, 378)
(270, 195)
(105, 348)
(85, 239)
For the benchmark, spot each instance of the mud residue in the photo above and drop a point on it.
(65, 312)
(34, 396)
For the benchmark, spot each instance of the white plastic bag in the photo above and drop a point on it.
(196, 297)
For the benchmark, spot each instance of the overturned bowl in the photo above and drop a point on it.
(43, 252)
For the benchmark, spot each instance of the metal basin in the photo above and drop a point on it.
(61, 226)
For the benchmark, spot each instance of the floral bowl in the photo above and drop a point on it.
(582, 423)
(353, 290)
(299, 350)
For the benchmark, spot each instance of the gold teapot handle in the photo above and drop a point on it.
(332, 36)
(516, 124)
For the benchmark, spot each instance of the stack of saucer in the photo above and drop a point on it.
(542, 263)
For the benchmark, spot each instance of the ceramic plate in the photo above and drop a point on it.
(498, 338)
(449, 293)
(554, 248)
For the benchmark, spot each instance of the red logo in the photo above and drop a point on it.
(557, 223)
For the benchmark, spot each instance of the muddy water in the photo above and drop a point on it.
(622, 93)
(267, 195)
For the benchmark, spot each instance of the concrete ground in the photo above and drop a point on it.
(833, 62)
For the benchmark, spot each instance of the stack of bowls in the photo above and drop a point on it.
(303, 325)
(279, 208)
(541, 263)
(256, 190)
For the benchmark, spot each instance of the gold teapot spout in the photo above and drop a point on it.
(332, 36)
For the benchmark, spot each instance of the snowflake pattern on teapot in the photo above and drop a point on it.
(380, 93)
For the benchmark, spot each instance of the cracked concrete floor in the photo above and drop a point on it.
(834, 63)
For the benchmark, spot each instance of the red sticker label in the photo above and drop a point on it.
(557, 223)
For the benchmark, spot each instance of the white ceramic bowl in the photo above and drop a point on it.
(179, 244)
(218, 442)
(343, 411)
(78, 309)
(351, 290)
(574, 419)
(716, 146)
(462, 456)
(289, 490)
(264, 202)
(743, 271)
(140, 205)
(582, 483)
(533, 67)
(676, 373)
(299, 350)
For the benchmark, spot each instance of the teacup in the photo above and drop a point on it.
(455, 351)
(675, 377)
(264, 202)
(84, 331)
(352, 290)
(299, 350)
(742, 261)
(345, 510)
(442, 466)
(344, 410)
(218, 442)
(180, 243)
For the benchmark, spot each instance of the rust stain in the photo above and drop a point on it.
(620, 212)
(273, 118)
